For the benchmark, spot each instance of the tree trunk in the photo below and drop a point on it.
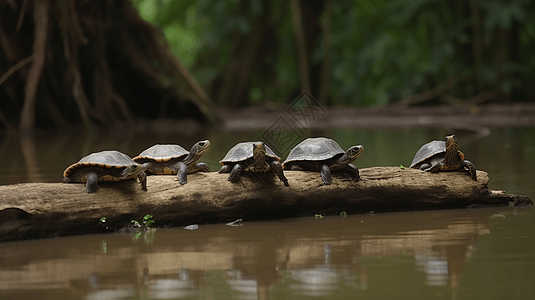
(33, 210)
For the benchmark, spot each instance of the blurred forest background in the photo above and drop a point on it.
(87, 62)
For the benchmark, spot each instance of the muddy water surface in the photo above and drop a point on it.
(452, 254)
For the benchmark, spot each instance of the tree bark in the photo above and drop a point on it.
(302, 56)
(96, 62)
(27, 118)
(33, 210)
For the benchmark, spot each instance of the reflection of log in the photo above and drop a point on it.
(43, 209)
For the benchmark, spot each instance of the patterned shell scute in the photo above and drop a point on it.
(428, 150)
(315, 149)
(243, 151)
(162, 153)
(104, 159)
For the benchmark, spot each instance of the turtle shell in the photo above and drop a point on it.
(162, 153)
(427, 151)
(105, 159)
(243, 151)
(314, 149)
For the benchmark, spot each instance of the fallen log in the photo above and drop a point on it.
(32, 210)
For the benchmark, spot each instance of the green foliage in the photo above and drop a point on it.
(146, 223)
(380, 51)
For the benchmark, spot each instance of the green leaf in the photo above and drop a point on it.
(136, 223)
(318, 216)
(343, 214)
(147, 217)
(102, 220)
(402, 166)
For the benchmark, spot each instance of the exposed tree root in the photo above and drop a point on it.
(89, 62)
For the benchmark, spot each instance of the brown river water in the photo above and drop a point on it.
(485, 253)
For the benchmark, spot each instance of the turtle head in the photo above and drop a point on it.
(200, 147)
(451, 139)
(354, 152)
(259, 150)
(451, 149)
(197, 151)
(259, 155)
(130, 171)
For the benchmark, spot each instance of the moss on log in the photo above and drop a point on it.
(33, 210)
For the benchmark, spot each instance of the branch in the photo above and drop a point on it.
(432, 93)
(27, 119)
(326, 46)
(477, 46)
(302, 56)
(15, 67)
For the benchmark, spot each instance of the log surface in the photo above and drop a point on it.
(32, 210)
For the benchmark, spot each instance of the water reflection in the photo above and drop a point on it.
(171, 288)
(321, 280)
(305, 257)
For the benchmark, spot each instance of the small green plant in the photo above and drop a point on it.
(402, 167)
(146, 223)
(102, 222)
(343, 214)
(318, 216)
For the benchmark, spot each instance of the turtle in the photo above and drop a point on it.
(439, 156)
(109, 165)
(254, 157)
(323, 155)
(173, 159)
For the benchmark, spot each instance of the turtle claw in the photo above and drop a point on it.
(143, 180)
(277, 168)
(469, 166)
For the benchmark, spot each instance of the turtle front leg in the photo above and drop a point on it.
(235, 173)
(353, 171)
(150, 167)
(225, 169)
(182, 173)
(143, 180)
(326, 174)
(471, 168)
(277, 168)
(91, 184)
(198, 167)
(434, 168)
(424, 166)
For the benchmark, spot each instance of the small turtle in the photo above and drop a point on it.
(109, 165)
(439, 156)
(251, 157)
(323, 155)
(173, 159)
